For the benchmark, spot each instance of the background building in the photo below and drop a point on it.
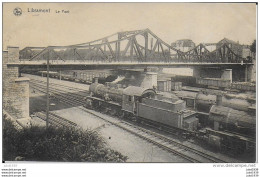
(183, 45)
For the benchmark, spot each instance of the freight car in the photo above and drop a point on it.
(225, 84)
(214, 82)
(202, 82)
(218, 83)
(81, 76)
(142, 104)
(244, 86)
(186, 80)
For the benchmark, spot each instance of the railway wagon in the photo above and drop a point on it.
(79, 76)
(244, 86)
(185, 80)
(214, 82)
(164, 85)
(84, 76)
(175, 86)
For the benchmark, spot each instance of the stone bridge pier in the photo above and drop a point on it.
(242, 73)
(212, 72)
(145, 78)
(15, 88)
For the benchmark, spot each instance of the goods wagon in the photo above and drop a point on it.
(244, 86)
(80, 76)
(214, 82)
(185, 80)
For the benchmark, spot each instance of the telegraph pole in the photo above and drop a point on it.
(48, 99)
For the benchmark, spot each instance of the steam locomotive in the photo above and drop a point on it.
(142, 104)
(226, 127)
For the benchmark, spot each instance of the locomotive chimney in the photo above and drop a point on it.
(96, 80)
(219, 100)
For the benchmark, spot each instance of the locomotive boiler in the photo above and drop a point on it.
(106, 93)
(231, 130)
(202, 101)
(225, 118)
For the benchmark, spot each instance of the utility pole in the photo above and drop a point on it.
(48, 101)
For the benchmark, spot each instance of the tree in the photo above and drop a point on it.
(253, 47)
(56, 144)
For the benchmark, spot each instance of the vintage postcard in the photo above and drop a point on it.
(130, 82)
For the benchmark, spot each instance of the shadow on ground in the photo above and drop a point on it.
(38, 103)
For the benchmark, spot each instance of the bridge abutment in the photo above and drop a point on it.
(242, 73)
(249, 74)
(245, 73)
(141, 78)
(209, 72)
(15, 88)
(226, 74)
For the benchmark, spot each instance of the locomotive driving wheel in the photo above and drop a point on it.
(120, 114)
(112, 112)
(89, 103)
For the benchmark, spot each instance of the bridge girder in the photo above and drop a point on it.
(132, 46)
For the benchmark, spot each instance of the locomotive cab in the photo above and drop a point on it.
(132, 95)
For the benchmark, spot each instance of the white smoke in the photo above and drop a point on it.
(118, 79)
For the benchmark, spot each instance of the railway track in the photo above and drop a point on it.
(59, 93)
(71, 89)
(56, 120)
(172, 142)
(170, 145)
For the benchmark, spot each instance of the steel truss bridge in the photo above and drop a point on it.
(130, 49)
(131, 46)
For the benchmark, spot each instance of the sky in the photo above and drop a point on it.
(200, 22)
